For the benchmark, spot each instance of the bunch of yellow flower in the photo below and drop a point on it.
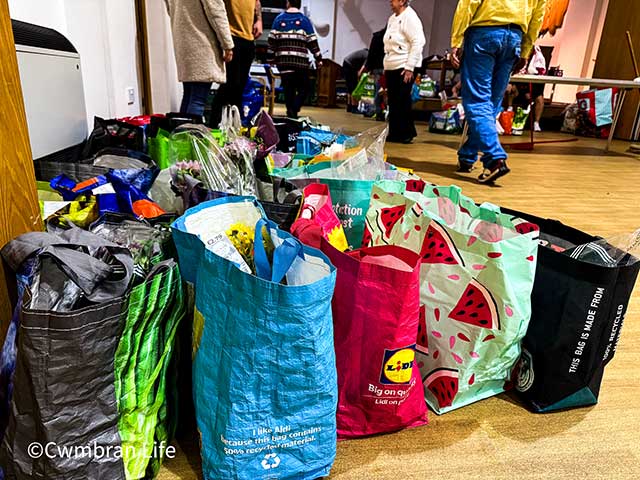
(242, 237)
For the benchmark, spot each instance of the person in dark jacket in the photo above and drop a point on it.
(375, 66)
(291, 39)
(351, 71)
(375, 59)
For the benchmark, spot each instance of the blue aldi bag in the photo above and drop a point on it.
(264, 373)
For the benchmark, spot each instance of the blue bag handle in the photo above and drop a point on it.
(283, 256)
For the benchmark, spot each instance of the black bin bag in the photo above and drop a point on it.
(580, 297)
(63, 387)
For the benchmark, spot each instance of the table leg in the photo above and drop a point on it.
(616, 116)
(465, 132)
(532, 113)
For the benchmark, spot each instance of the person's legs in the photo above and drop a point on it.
(393, 78)
(409, 124)
(401, 125)
(195, 97)
(238, 69)
(351, 79)
(186, 97)
(302, 85)
(510, 94)
(379, 96)
(506, 56)
(289, 87)
(538, 111)
(476, 71)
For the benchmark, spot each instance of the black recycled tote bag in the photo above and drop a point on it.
(63, 421)
(578, 309)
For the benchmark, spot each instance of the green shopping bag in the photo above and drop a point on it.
(350, 197)
(361, 87)
(478, 267)
(142, 362)
(158, 148)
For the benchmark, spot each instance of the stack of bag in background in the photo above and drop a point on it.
(389, 294)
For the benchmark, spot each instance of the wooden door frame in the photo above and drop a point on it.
(19, 207)
(142, 37)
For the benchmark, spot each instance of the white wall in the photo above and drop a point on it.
(322, 12)
(47, 13)
(123, 56)
(166, 91)
(357, 20)
(104, 34)
(576, 44)
(441, 26)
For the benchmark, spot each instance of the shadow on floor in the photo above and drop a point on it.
(441, 169)
(568, 149)
(530, 427)
(355, 454)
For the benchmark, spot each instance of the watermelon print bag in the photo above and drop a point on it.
(478, 267)
(375, 315)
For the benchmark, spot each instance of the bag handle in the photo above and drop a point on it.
(290, 198)
(283, 256)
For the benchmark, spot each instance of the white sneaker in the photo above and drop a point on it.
(536, 127)
(499, 128)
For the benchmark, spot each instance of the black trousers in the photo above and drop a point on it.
(401, 125)
(237, 76)
(296, 88)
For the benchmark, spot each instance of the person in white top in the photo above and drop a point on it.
(403, 45)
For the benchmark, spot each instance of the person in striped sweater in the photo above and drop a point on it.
(291, 39)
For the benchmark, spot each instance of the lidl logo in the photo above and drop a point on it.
(397, 366)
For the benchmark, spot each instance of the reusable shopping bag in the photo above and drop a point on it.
(70, 323)
(578, 308)
(361, 88)
(445, 122)
(9, 348)
(427, 87)
(317, 208)
(367, 101)
(115, 134)
(350, 198)
(252, 100)
(375, 316)
(271, 377)
(598, 104)
(288, 131)
(280, 199)
(506, 121)
(80, 168)
(477, 273)
(520, 120)
(144, 388)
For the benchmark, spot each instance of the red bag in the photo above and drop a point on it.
(375, 315)
(599, 104)
(317, 209)
(506, 121)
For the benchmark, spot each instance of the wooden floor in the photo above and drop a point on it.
(497, 438)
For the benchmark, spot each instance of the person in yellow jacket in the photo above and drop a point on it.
(490, 38)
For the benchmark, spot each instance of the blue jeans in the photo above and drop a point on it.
(489, 55)
(195, 97)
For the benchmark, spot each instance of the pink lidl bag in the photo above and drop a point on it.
(375, 315)
(317, 210)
